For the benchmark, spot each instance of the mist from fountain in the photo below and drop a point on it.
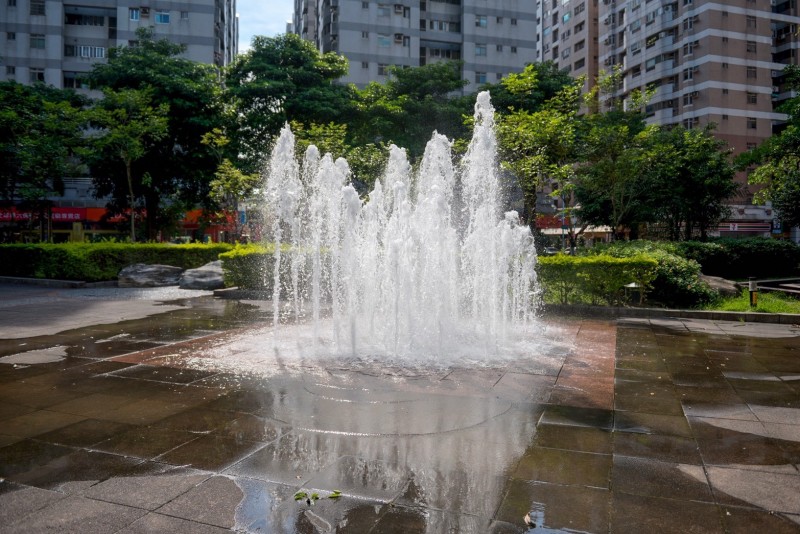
(426, 266)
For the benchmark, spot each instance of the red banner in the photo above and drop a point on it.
(58, 214)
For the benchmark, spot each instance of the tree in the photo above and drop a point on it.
(412, 104)
(529, 89)
(777, 160)
(180, 166)
(696, 179)
(40, 131)
(127, 127)
(538, 147)
(281, 79)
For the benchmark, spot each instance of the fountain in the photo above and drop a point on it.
(427, 266)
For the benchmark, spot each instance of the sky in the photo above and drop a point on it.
(262, 17)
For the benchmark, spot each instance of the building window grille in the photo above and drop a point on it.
(37, 41)
(36, 75)
(134, 13)
(752, 123)
(37, 7)
(752, 98)
(751, 46)
(480, 77)
(162, 17)
(752, 73)
(480, 21)
(480, 49)
(11, 70)
(751, 21)
(11, 36)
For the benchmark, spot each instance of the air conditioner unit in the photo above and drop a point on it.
(145, 11)
(607, 20)
(398, 8)
(398, 38)
(695, 94)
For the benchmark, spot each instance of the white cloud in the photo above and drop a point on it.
(262, 17)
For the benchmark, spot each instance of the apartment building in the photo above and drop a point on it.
(569, 36)
(56, 42)
(493, 39)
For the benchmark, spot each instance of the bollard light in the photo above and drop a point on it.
(753, 286)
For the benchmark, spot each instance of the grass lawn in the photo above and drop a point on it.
(767, 303)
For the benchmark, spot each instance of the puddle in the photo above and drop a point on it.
(33, 357)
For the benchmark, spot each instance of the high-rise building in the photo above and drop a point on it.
(493, 39)
(568, 36)
(55, 42)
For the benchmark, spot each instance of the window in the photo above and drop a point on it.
(480, 77)
(382, 69)
(565, 53)
(565, 35)
(513, 49)
(11, 36)
(84, 20)
(580, 63)
(498, 76)
(134, 13)
(98, 51)
(579, 27)
(751, 21)
(12, 3)
(365, 64)
(184, 15)
(11, 70)
(37, 7)
(725, 65)
(72, 81)
(752, 123)
(384, 41)
(752, 98)
(688, 74)
(365, 35)
(636, 25)
(162, 17)
(724, 91)
(752, 73)
(724, 39)
(566, 17)
(688, 2)
(480, 49)
(85, 51)
(480, 21)
(751, 146)
(499, 48)
(383, 10)
(513, 22)
(724, 116)
(37, 41)
(36, 75)
(580, 8)
(751, 46)
(499, 20)
(364, 5)
(69, 50)
(579, 45)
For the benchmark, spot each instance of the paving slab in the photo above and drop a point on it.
(165, 411)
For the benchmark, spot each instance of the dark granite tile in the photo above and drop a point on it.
(84, 433)
(76, 515)
(27, 454)
(77, 471)
(649, 423)
(564, 467)
(569, 415)
(150, 487)
(641, 476)
(658, 447)
(728, 441)
(145, 442)
(17, 501)
(574, 438)
(39, 422)
(567, 508)
(153, 522)
(252, 428)
(746, 521)
(213, 502)
(402, 520)
(644, 404)
(210, 452)
(774, 489)
(197, 420)
(163, 374)
(637, 513)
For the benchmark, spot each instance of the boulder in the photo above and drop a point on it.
(143, 275)
(209, 276)
(726, 288)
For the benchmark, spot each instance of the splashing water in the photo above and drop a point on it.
(427, 266)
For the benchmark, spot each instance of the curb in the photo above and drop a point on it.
(49, 282)
(611, 312)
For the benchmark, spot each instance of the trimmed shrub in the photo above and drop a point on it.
(248, 266)
(740, 258)
(95, 262)
(598, 279)
(677, 281)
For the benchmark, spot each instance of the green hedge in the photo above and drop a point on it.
(95, 262)
(598, 279)
(677, 281)
(248, 266)
(742, 258)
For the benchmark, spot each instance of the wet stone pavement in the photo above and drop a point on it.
(156, 411)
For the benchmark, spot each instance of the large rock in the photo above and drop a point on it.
(209, 276)
(143, 275)
(726, 288)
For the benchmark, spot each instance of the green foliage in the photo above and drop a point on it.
(768, 302)
(180, 166)
(95, 262)
(599, 279)
(41, 128)
(412, 104)
(282, 79)
(742, 258)
(248, 266)
(777, 161)
(676, 283)
(530, 89)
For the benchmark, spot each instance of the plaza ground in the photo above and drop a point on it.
(127, 410)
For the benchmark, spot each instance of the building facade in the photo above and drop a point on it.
(492, 39)
(569, 36)
(55, 42)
